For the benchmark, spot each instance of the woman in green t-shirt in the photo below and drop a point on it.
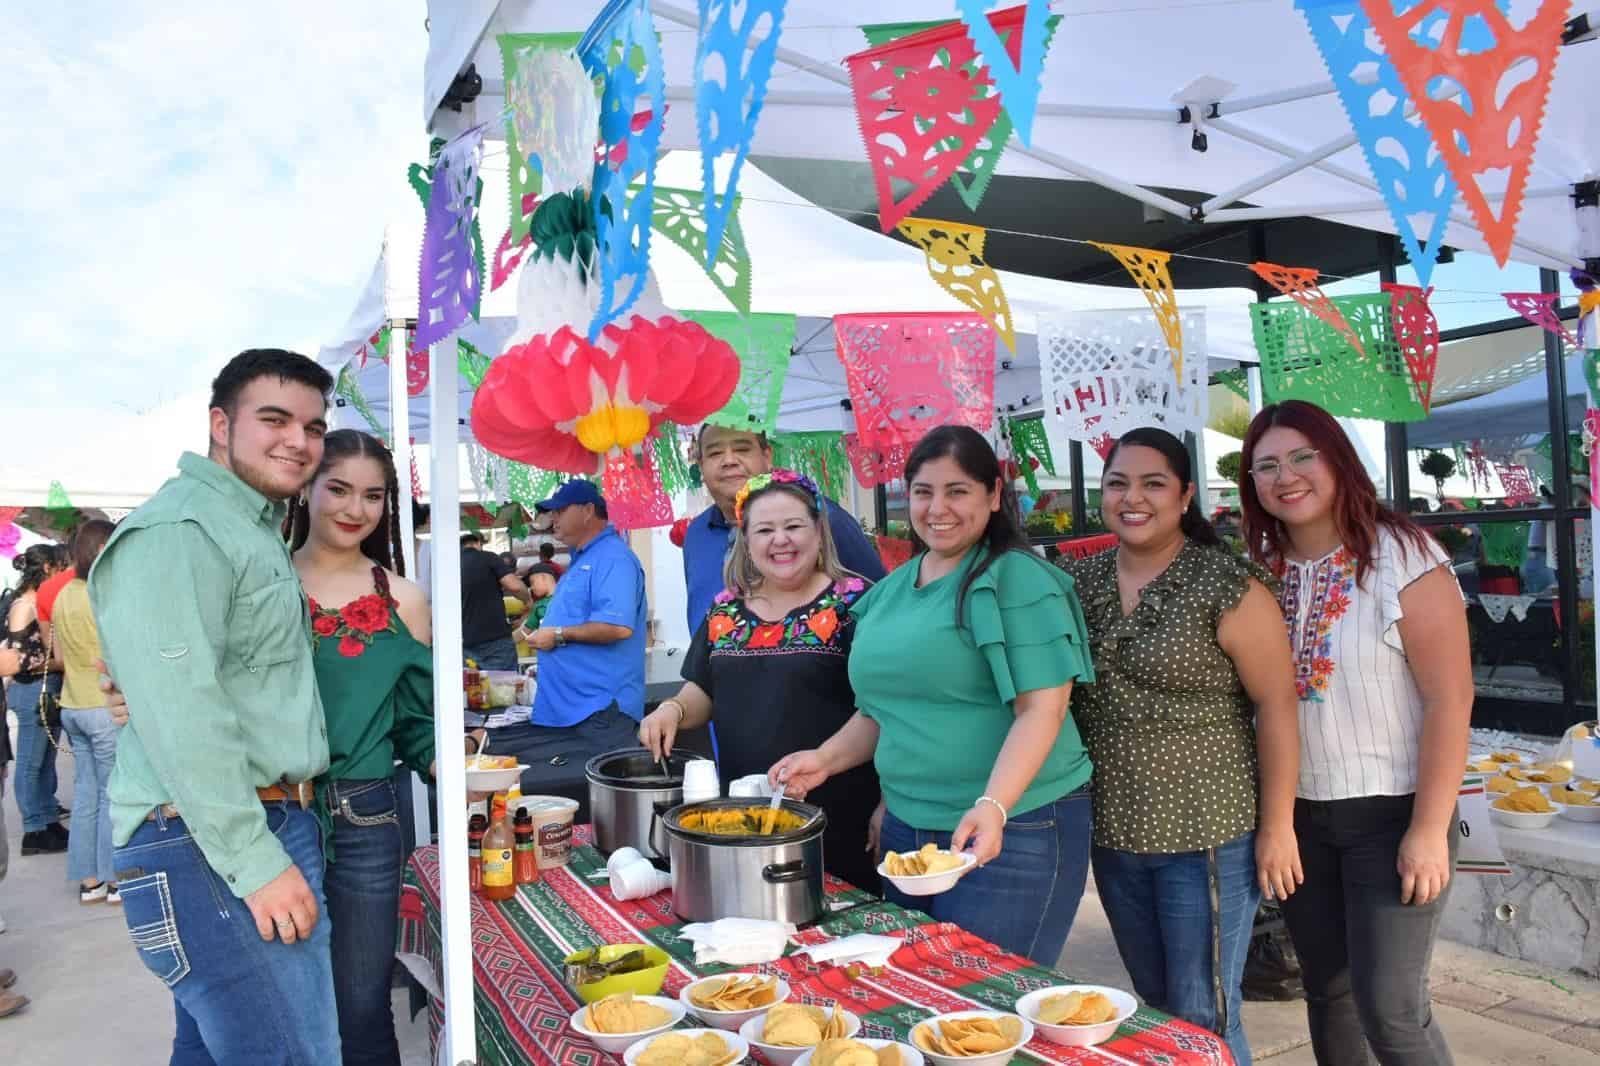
(963, 665)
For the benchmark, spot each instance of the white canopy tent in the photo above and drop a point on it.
(1124, 96)
(1114, 82)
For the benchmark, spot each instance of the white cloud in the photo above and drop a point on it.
(190, 178)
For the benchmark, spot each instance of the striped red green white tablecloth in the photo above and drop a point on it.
(522, 1004)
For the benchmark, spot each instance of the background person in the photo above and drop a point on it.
(486, 580)
(769, 665)
(87, 722)
(204, 626)
(590, 694)
(1384, 679)
(728, 458)
(35, 784)
(1193, 691)
(963, 665)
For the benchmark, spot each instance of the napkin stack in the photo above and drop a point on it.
(737, 941)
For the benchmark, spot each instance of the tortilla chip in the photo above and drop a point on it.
(928, 859)
(965, 1037)
(1077, 1008)
(1544, 773)
(794, 1025)
(621, 1013)
(1525, 801)
(840, 1052)
(677, 1049)
(1501, 783)
(1572, 797)
(888, 1055)
(739, 992)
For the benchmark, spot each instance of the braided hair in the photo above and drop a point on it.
(382, 545)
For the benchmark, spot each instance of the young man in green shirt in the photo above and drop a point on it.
(206, 630)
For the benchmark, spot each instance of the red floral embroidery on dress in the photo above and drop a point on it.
(356, 624)
(1331, 580)
(731, 629)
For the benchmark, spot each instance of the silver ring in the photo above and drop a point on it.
(283, 923)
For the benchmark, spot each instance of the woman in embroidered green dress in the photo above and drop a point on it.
(374, 671)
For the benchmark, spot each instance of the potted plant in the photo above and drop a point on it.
(1440, 467)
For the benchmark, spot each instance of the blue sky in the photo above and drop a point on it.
(190, 178)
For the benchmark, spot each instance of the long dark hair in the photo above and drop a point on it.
(977, 460)
(1357, 513)
(382, 545)
(1193, 524)
(36, 564)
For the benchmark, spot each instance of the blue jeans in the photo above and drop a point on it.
(94, 754)
(497, 654)
(1170, 937)
(36, 758)
(363, 890)
(240, 1000)
(1024, 900)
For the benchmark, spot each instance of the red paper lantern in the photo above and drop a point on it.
(559, 402)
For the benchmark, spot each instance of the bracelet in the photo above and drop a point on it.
(675, 703)
(997, 806)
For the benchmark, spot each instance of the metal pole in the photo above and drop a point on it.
(400, 436)
(455, 903)
(1350, 207)
(1394, 433)
(1555, 371)
(1080, 491)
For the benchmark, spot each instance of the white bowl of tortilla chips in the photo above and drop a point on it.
(616, 1021)
(971, 1037)
(687, 1047)
(861, 1052)
(1576, 804)
(1077, 1015)
(786, 1031)
(728, 1001)
(926, 872)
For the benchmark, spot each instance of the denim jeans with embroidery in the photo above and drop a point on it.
(239, 999)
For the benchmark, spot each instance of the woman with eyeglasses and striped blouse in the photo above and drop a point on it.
(1384, 678)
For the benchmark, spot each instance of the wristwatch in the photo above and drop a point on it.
(561, 636)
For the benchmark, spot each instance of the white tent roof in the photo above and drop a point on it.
(1518, 410)
(805, 261)
(1107, 112)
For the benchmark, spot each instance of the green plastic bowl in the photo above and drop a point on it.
(641, 982)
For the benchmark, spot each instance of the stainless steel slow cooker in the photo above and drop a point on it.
(627, 794)
(776, 876)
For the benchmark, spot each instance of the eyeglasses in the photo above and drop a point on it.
(1300, 461)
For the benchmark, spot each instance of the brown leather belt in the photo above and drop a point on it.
(301, 792)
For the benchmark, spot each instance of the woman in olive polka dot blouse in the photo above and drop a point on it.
(1193, 690)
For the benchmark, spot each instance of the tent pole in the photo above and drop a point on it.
(1555, 368)
(1349, 207)
(809, 98)
(400, 436)
(1394, 432)
(1282, 96)
(455, 904)
(830, 72)
(1278, 173)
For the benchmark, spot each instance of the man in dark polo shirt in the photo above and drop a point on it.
(485, 583)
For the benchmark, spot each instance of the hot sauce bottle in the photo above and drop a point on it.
(527, 860)
(499, 844)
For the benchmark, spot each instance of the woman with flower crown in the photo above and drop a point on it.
(768, 665)
(371, 634)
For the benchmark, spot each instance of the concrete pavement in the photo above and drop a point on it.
(94, 1003)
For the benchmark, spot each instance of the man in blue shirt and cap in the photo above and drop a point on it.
(728, 458)
(590, 691)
